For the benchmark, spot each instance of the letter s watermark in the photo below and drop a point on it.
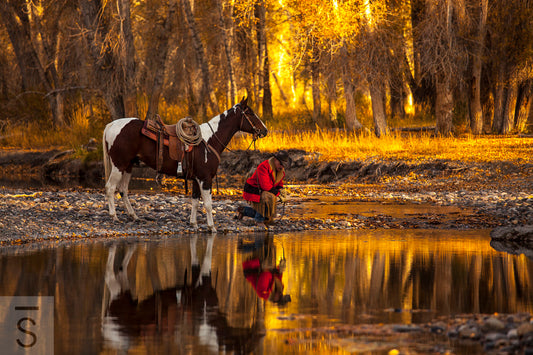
(23, 330)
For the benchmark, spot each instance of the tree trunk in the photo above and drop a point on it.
(160, 60)
(128, 58)
(227, 51)
(488, 113)
(267, 93)
(315, 84)
(523, 105)
(332, 97)
(17, 24)
(509, 109)
(397, 100)
(443, 108)
(35, 54)
(264, 94)
(108, 76)
(476, 112)
(199, 51)
(352, 123)
(377, 96)
(422, 88)
(497, 121)
(57, 105)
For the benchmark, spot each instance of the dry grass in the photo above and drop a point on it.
(336, 145)
(37, 135)
(341, 146)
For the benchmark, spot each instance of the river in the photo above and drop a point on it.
(343, 291)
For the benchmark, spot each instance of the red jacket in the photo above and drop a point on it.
(264, 178)
(261, 280)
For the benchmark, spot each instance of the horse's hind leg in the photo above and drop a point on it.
(123, 189)
(110, 187)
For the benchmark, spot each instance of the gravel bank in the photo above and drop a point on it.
(492, 194)
(27, 216)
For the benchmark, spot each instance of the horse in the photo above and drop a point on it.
(124, 143)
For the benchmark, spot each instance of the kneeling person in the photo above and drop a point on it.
(263, 187)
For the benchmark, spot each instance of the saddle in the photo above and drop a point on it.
(156, 129)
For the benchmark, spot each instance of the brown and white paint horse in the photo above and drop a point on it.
(123, 143)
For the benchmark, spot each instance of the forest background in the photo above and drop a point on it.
(68, 67)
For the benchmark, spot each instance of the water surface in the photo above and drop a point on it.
(195, 294)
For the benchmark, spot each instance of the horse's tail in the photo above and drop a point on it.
(107, 160)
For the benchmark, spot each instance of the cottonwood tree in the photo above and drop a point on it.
(226, 35)
(156, 51)
(327, 28)
(111, 71)
(420, 83)
(264, 64)
(443, 54)
(476, 111)
(379, 51)
(35, 29)
(510, 48)
(206, 94)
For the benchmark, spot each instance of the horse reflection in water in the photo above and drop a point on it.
(157, 301)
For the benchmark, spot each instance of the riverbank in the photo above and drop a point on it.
(491, 195)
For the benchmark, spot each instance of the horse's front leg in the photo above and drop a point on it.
(195, 202)
(208, 204)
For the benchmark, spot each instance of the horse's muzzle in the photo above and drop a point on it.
(262, 133)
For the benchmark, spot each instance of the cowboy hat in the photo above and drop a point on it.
(283, 157)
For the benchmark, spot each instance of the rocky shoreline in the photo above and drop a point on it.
(497, 195)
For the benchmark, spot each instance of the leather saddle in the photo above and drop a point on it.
(155, 129)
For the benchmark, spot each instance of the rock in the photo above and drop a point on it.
(406, 328)
(493, 324)
(524, 329)
(514, 233)
(471, 332)
(512, 334)
(494, 337)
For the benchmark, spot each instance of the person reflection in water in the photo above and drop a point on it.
(263, 274)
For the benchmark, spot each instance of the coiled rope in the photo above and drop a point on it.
(188, 131)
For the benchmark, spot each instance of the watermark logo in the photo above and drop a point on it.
(27, 325)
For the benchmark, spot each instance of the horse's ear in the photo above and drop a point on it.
(244, 101)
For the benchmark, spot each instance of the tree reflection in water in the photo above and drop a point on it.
(190, 293)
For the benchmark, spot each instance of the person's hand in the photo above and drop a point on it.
(274, 190)
(283, 196)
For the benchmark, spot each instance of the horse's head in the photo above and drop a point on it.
(250, 122)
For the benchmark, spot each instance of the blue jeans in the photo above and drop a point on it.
(250, 212)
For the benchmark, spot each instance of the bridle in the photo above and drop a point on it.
(244, 115)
